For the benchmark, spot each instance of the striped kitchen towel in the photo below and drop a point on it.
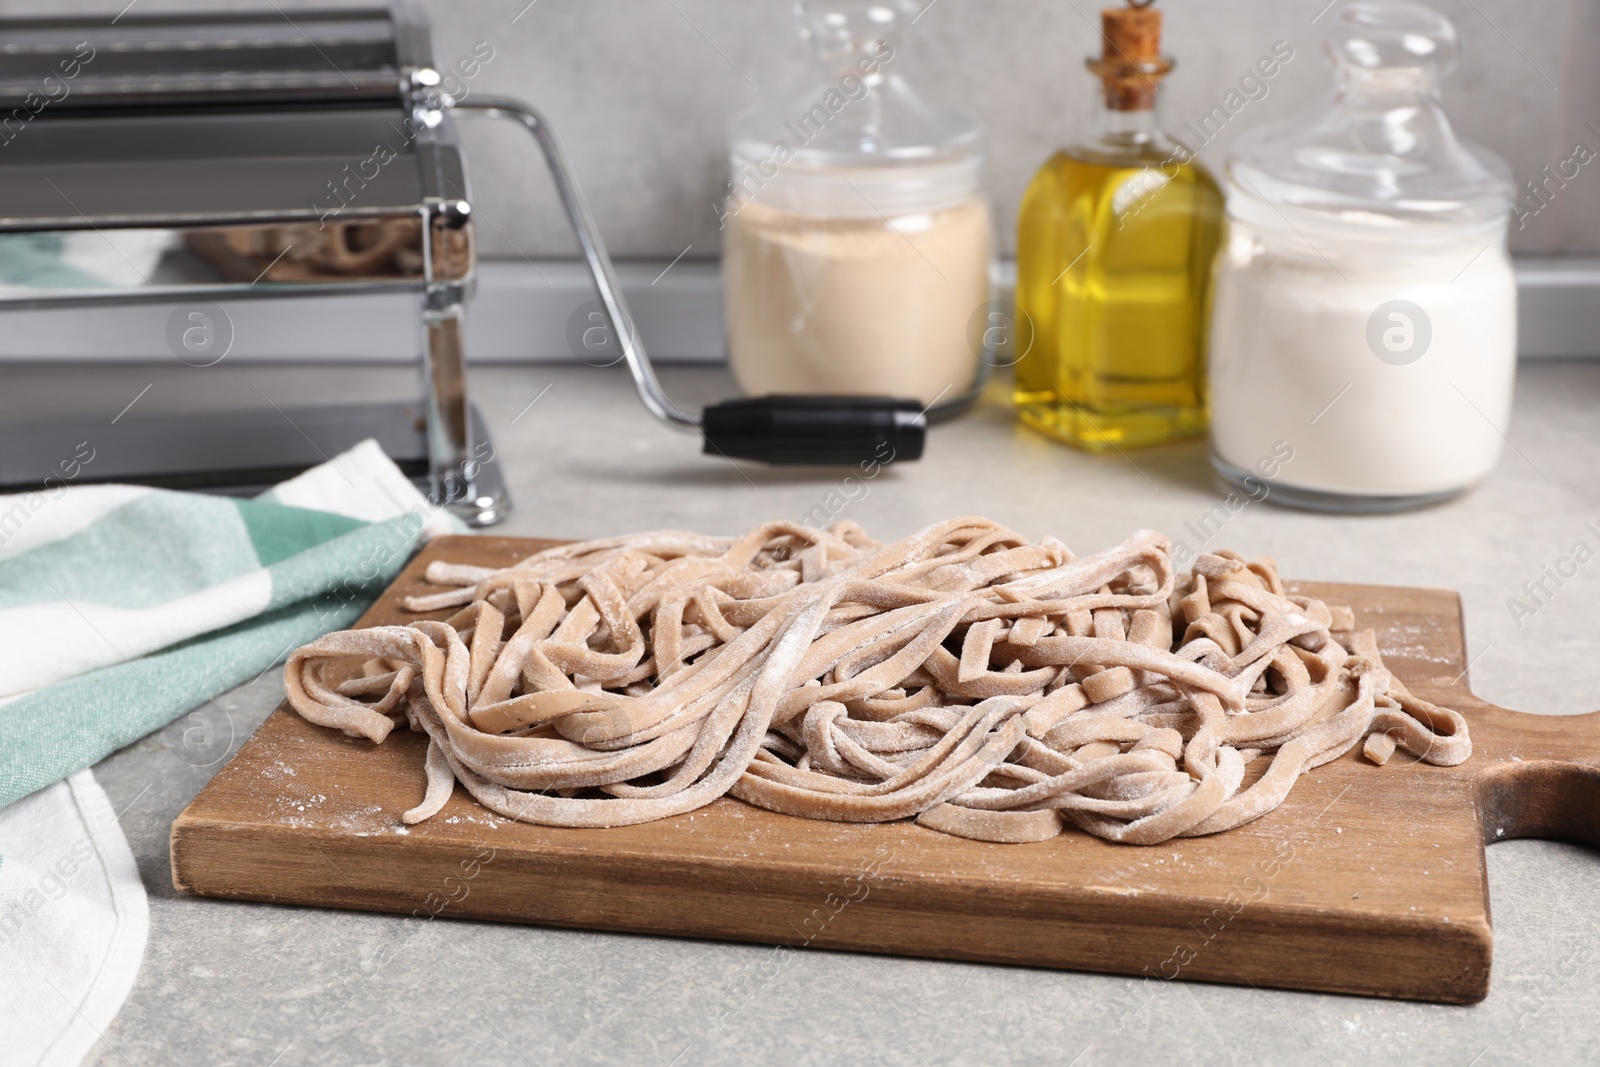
(120, 609)
(123, 607)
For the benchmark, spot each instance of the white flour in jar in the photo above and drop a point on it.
(856, 305)
(1292, 359)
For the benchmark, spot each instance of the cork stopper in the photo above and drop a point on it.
(1130, 64)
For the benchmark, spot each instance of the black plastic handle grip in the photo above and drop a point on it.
(816, 430)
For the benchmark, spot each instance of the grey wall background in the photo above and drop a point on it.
(642, 90)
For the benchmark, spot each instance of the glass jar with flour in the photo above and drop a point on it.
(857, 240)
(1365, 308)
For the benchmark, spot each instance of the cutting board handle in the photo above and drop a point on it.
(1545, 799)
(1538, 775)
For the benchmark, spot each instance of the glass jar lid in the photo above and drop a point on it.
(1380, 147)
(855, 137)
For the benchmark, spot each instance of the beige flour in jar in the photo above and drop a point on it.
(856, 305)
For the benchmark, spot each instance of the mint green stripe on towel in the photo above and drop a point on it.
(278, 531)
(63, 728)
(382, 552)
(155, 548)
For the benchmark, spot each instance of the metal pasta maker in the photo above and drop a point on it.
(285, 188)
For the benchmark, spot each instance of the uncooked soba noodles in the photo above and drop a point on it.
(984, 685)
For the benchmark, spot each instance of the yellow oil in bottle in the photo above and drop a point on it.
(1114, 248)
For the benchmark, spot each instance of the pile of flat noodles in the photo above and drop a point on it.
(984, 685)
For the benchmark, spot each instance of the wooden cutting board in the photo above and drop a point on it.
(1367, 880)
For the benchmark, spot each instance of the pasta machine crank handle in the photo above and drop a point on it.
(820, 430)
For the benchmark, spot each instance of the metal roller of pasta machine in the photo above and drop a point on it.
(172, 184)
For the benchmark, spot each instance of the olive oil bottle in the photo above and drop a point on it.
(1114, 249)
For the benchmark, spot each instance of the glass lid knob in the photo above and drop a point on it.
(1391, 35)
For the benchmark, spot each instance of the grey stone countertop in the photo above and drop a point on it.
(233, 983)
